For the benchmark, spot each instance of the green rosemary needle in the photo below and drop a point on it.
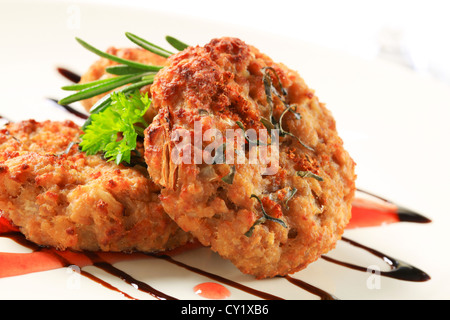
(284, 132)
(229, 178)
(270, 89)
(263, 219)
(177, 44)
(104, 86)
(130, 63)
(254, 142)
(128, 72)
(130, 76)
(309, 174)
(121, 69)
(289, 196)
(148, 45)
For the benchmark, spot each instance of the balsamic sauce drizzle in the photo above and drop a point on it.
(75, 78)
(400, 270)
(70, 109)
(3, 121)
(311, 289)
(20, 239)
(257, 293)
(90, 276)
(142, 286)
(404, 214)
(69, 75)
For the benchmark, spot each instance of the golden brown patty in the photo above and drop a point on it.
(220, 85)
(70, 200)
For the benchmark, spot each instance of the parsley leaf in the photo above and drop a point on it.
(115, 130)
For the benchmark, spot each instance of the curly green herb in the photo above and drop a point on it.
(114, 131)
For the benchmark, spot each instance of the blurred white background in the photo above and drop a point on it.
(415, 34)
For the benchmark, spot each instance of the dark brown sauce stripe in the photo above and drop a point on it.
(323, 295)
(20, 239)
(105, 284)
(69, 75)
(400, 270)
(4, 119)
(404, 214)
(257, 293)
(90, 276)
(70, 109)
(142, 286)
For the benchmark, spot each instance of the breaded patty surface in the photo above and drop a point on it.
(224, 85)
(62, 198)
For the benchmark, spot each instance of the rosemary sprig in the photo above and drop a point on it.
(289, 196)
(309, 174)
(148, 45)
(177, 44)
(254, 142)
(131, 74)
(284, 132)
(229, 178)
(67, 150)
(263, 219)
(270, 89)
(121, 69)
(92, 90)
(82, 86)
(114, 58)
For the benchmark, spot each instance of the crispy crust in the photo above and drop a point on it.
(70, 200)
(218, 85)
(30, 135)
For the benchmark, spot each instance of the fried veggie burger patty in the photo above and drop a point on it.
(63, 198)
(267, 223)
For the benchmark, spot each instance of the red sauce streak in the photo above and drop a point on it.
(366, 213)
(212, 290)
(372, 211)
(15, 264)
(6, 226)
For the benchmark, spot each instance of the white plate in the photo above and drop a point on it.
(394, 124)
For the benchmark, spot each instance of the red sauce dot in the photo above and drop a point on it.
(211, 290)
